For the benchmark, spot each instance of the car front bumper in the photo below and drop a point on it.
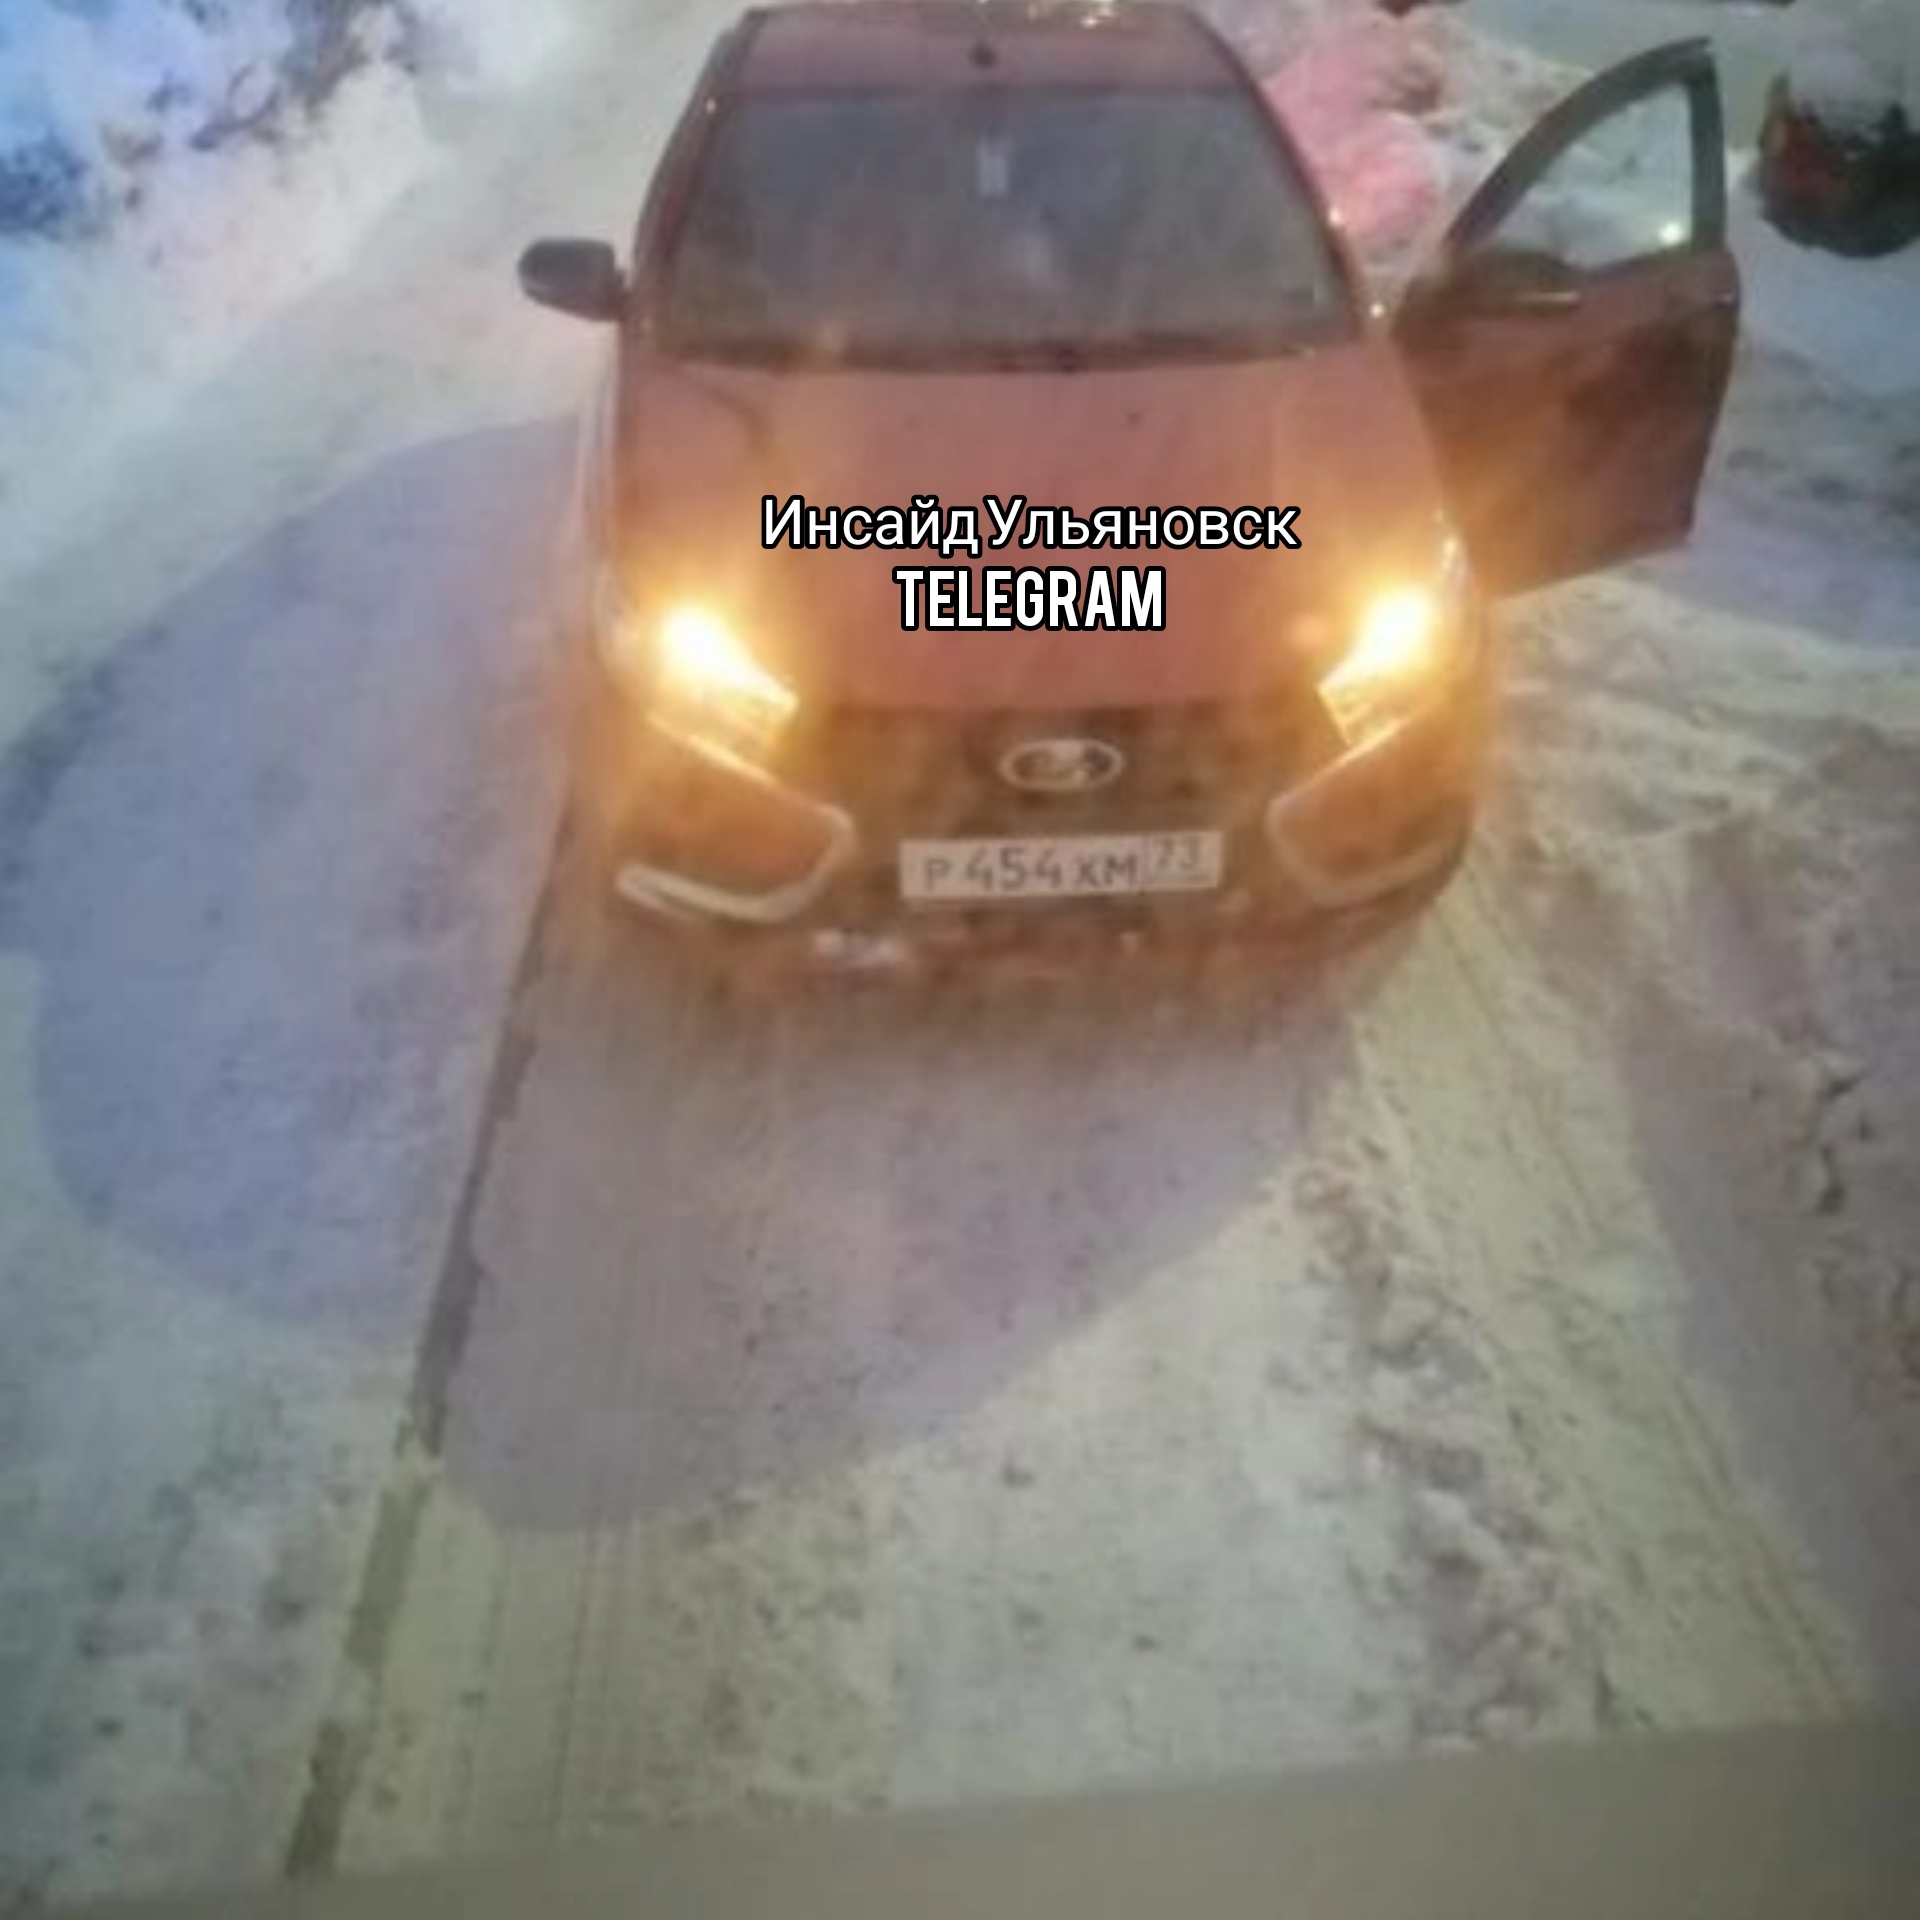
(805, 858)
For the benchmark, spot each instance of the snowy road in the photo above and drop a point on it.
(908, 1404)
(1512, 1333)
(277, 790)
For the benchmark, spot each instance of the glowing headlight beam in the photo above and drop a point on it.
(691, 672)
(1396, 654)
(1396, 637)
(701, 655)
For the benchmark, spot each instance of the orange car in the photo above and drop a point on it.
(1006, 514)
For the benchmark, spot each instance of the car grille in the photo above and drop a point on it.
(932, 774)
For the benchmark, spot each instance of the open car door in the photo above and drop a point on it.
(1571, 342)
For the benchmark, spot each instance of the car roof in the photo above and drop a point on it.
(835, 44)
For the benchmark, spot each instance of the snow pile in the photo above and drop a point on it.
(1712, 831)
(1350, 97)
(1509, 1648)
(100, 96)
(481, 46)
(1841, 89)
(173, 173)
(1362, 93)
(1398, 117)
(204, 242)
(1855, 75)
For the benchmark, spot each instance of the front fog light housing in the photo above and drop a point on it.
(1407, 640)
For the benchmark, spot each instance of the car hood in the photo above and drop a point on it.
(1334, 433)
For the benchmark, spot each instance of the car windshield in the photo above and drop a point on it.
(1042, 226)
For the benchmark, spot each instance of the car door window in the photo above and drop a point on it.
(1623, 191)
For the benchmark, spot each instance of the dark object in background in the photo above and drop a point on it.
(44, 190)
(1851, 192)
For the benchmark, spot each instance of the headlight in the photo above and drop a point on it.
(1406, 642)
(695, 672)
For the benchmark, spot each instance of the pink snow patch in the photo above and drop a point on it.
(1348, 97)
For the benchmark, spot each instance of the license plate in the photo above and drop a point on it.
(1061, 867)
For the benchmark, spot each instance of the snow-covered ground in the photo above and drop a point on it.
(177, 177)
(1516, 1335)
(275, 796)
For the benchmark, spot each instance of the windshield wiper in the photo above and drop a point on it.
(1172, 345)
(1134, 349)
(1044, 356)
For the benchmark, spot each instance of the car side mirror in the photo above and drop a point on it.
(580, 277)
(1498, 281)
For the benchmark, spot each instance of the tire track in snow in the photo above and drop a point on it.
(1699, 1609)
(1405, 1428)
(881, 1565)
